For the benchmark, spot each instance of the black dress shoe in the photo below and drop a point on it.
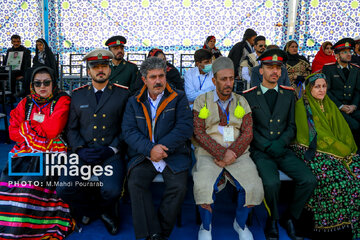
(111, 223)
(271, 230)
(157, 236)
(85, 220)
(288, 225)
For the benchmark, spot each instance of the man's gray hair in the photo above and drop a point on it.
(152, 63)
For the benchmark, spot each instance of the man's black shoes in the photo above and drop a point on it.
(289, 226)
(111, 223)
(271, 230)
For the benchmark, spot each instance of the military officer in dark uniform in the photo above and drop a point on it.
(94, 134)
(122, 72)
(343, 79)
(274, 128)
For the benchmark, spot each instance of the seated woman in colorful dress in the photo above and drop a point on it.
(325, 142)
(32, 209)
(298, 67)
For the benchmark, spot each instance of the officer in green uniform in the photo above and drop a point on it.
(274, 128)
(122, 72)
(343, 79)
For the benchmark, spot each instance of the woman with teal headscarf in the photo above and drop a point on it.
(325, 142)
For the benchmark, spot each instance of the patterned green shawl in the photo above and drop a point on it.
(333, 134)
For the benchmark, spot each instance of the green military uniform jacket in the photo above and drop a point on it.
(340, 90)
(278, 125)
(124, 74)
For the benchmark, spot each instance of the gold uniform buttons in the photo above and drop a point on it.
(102, 139)
(349, 94)
(271, 132)
(95, 115)
(94, 139)
(278, 133)
(271, 120)
(104, 127)
(278, 120)
(104, 115)
(95, 127)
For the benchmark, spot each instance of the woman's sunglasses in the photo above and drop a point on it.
(46, 83)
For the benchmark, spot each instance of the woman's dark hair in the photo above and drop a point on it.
(288, 44)
(249, 33)
(325, 44)
(202, 54)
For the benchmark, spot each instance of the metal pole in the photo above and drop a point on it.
(293, 5)
(46, 20)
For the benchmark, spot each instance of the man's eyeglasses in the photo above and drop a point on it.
(46, 83)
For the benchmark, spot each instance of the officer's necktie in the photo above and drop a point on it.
(271, 96)
(98, 95)
(346, 72)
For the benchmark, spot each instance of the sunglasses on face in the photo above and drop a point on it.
(46, 83)
(262, 46)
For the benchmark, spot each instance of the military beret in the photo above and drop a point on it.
(345, 43)
(116, 41)
(273, 56)
(98, 56)
(222, 63)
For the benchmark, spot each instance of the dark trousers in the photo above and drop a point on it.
(146, 220)
(292, 166)
(353, 120)
(82, 199)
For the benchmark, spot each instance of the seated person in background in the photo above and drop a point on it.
(257, 78)
(198, 79)
(43, 57)
(123, 72)
(298, 67)
(18, 75)
(343, 79)
(355, 58)
(172, 74)
(157, 126)
(324, 141)
(241, 49)
(209, 44)
(221, 143)
(324, 56)
(274, 128)
(94, 134)
(36, 125)
(250, 60)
